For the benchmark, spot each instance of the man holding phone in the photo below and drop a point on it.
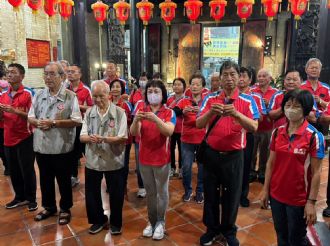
(235, 114)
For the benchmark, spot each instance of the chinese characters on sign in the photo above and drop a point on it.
(38, 53)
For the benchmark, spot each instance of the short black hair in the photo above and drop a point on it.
(303, 97)
(76, 65)
(20, 68)
(144, 74)
(229, 64)
(157, 76)
(157, 83)
(253, 74)
(3, 69)
(247, 71)
(122, 85)
(292, 71)
(112, 61)
(198, 76)
(183, 82)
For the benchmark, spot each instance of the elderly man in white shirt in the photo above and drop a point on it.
(54, 113)
(105, 132)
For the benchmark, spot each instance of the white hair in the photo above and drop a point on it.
(312, 60)
(215, 74)
(266, 71)
(102, 84)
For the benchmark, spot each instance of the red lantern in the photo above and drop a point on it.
(328, 4)
(298, 8)
(34, 5)
(66, 8)
(167, 11)
(100, 11)
(193, 9)
(145, 11)
(217, 9)
(271, 8)
(16, 4)
(122, 11)
(50, 7)
(244, 9)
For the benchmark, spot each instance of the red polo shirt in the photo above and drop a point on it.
(322, 90)
(276, 103)
(258, 99)
(1, 120)
(172, 102)
(188, 93)
(291, 176)
(154, 146)
(84, 94)
(15, 127)
(266, 124)
(136, 96)
(228, 134)
(128, 110)
(190, 133)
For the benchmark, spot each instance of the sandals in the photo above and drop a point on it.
(64, 217)
(44, 215)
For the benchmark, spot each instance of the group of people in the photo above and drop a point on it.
(223, 130)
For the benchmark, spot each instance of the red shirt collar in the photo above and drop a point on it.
(300, 131)
(234, 96)
(80, 86)
(161, 109)
(20, 89)
(309, 84)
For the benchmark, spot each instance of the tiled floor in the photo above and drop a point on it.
(184, 220)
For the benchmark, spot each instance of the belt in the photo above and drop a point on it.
(229, 152)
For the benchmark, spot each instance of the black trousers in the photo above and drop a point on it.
(126, 163)
(175, 140)
(248, 152)
(77, 153)
(21, 166)
(224, 171)
(115, 184)
(59, 167)
(2, 150)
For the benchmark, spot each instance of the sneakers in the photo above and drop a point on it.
(199, 198)
(208, 238)
(96, 228)
(74, 181)
(141, 193)
(115, 230)
(148, 231)
(32, 206)
(159, 232)
(187, 196)
(16, 203)
(326, 212)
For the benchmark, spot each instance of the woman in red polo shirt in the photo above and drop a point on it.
(293, 171)
(117, 89)
(155, 123)
(191, 138)
(179, 86)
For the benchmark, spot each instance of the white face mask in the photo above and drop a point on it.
(154, 98)
(142, 84)
(293, 114)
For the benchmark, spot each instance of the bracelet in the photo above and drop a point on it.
(312, 200)
(53, 124)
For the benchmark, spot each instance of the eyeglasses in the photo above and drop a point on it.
(71, 71)
(50, 74)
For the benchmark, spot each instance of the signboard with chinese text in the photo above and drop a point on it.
(38, 53)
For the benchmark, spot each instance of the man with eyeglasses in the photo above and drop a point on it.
(55, 114)
(18, 138)
(85, 101)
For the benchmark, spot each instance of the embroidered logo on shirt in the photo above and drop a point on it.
(112, 124)
(299, 151)
(60, 106)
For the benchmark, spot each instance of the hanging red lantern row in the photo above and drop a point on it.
(66, 8)
(16, 4)
(35, 5)
(193, 9)
(50, 7)
(271, 8)
(298, 8)
(328, 4)
(145, 11)
(217, 11)
(100, 11)
(167, 11)
(122, 11)
(244, 9)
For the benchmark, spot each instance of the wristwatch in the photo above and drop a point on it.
(53, 125)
